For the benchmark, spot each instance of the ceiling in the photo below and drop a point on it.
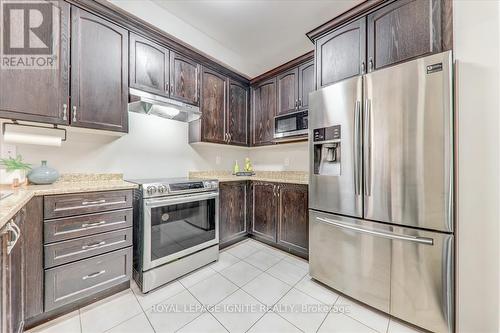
(264, 34)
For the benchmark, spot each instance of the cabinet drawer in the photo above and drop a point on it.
(81, 248)
(69, 283)
(84, 203)
(85, 225)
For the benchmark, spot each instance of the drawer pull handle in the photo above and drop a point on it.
(91, 246)
(97, 202)
(92, 225)
(94, 275)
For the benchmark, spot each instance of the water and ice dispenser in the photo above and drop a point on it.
(327, 151)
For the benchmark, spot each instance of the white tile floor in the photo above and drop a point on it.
(235, 291)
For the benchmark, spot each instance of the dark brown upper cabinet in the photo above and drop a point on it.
(403, 30)
(99, 73)
(40, 95)
(288, 99)
(264, 110)
(264, 205)
(341, 54)
(233, 223)
(213, 106)
(293, 221)
(184, 79)
(149, 66)
(306, 84)
(237, 115)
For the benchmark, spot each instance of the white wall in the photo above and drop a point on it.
(476, 44)
(156, 147)
(171, 24)
(286, 157)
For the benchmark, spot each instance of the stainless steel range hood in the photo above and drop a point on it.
(147, 103)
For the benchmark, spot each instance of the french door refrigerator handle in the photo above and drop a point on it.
(368, 148)
(390, 235)
(357, 148)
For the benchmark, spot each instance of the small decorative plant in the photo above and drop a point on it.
(13, 164)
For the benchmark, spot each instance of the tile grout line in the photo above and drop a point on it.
(144, 311)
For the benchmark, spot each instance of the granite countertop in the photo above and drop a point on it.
(292, 177)
(71, 183)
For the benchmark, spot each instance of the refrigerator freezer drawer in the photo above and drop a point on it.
(405, 272)
(356, 264)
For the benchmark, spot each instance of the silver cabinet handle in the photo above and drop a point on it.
(300, 102)
(74, 114)
(380, 233)
(12, 227)
(97, 202)
(368, 148)
(94, 275)
(92, 225)
(91, 246)
(230, 136)
(65, 111)
(370, 64)
(171, 89)
(357, 148)
(363, 67)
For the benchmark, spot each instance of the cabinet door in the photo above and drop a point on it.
(306, 84)
(213, 106)
(184, 77)
(293, 221)
(40, 95)
(149, 66)
(99, 73)
(264, 210)
(4, 282)
(232, 210)
(264, 111)
(237, 116)
(288, 91)
(341, 53)
(403, 30)
(32, 232)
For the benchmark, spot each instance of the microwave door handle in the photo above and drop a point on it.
(152, 203)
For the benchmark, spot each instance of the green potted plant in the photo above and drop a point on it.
(12, 169)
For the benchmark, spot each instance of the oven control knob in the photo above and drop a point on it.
(151, 189)
(162, 189)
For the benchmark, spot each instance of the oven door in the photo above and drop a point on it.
(291, 124)
(178, 226)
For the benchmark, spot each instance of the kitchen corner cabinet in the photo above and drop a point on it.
(12, 274)
(263, 112)
(280, 215)
(99, 73)
(233, 212)
(41, 95)
(224, 109)
(341, 54)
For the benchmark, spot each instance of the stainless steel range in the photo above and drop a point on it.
(176, 223)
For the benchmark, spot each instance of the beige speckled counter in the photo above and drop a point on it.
(71, 183)
(293, 177)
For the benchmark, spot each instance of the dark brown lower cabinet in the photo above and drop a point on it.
(280, 215)
(233, 215)
(293, 226)
(264, 205)
(12, 276)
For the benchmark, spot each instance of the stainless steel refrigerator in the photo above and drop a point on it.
(381, 190)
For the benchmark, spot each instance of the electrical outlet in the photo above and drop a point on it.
(217, 160)
(287, 161)
(7, 150)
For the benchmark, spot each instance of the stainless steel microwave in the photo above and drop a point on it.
(290, 124)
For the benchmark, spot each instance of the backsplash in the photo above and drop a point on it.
(156, 147)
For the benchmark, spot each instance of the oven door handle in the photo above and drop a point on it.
(152, 203)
